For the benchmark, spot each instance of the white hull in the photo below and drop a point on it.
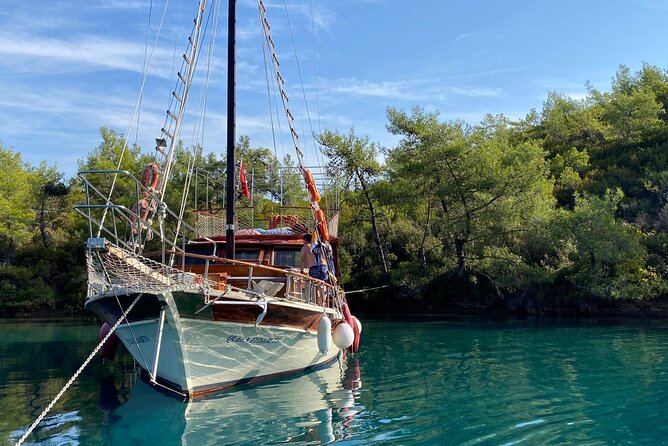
(201, 356)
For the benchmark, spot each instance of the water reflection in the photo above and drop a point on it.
(473, 383)
(312, 408)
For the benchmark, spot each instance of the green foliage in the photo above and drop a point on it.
(16, 197)
(22, 289)
(569, 203)
(608, 259)
(486, 187)
(353, 159)
(525, 206)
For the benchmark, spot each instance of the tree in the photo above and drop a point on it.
(608, 259)
(354, 158)
(51, 204)
(16, 199)
(489, 188)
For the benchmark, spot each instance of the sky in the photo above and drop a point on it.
(69, 68)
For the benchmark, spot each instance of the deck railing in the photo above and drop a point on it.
(126, 217)
(298, 286)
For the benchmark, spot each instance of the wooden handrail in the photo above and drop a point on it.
(251, 265)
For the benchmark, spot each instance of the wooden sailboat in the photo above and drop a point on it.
(201, 310)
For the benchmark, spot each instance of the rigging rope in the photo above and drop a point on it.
(315, 207)
(299, 71)
(317, 97)
(134, 114)
(198, 133)
(364, 290)
(266, 77)
(148, 35)
(315, 69)
(77, 373)
(191, 62)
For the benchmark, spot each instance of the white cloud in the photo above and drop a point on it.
(123, 4)
(384, 89)
(301, 13)
(464, 36)
(489, 72)
(473, 91)
(94, 52)
(413, 90)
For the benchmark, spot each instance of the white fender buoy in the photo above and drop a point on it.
(343, 335)
(358, 323)
(324, 334)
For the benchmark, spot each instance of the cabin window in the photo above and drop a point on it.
(287, 256)
(200, 250)
(247, 254)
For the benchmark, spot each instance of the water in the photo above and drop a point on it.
(452, 382)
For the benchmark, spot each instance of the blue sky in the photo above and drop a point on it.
(68, 68)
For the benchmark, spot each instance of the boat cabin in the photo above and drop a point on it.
(274, 255)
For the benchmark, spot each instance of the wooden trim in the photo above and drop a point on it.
(277, 315)
(251, 265)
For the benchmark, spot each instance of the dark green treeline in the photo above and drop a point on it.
(566, 206)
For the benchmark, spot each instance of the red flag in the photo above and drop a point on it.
(243, 180)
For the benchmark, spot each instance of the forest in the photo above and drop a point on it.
(566, 208)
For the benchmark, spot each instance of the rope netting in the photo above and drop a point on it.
(121, 270)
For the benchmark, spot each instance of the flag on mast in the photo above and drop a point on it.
(243, 180)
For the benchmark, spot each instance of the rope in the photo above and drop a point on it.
(76, 375)
(299, 71)
(315, 70)
(284, 99)
(198, 133)
(148, 37)
(364, 290)
(318, 151)
(134, 115)
(266, 77)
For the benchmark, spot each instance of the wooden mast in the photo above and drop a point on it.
(231, 127)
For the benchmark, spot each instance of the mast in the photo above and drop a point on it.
(231, 128)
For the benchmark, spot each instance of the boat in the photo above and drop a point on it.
(214, 303)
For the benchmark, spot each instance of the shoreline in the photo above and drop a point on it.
(527, 308)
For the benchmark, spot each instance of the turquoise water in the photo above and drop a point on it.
(452, 382)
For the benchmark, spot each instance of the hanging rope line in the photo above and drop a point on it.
(278, 117)
(266, 77)
(180, 95)
(48, 408)
(148, 35)
(315, 69)
(197, 140)
(132, 120)
(317, 214)
(280, 82)
(317, 98)
(364, 290)
(299, 71)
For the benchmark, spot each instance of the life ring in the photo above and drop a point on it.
(310, 185)
(322, 225)
(150, 176)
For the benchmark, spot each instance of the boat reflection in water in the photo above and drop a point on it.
(313, 408)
